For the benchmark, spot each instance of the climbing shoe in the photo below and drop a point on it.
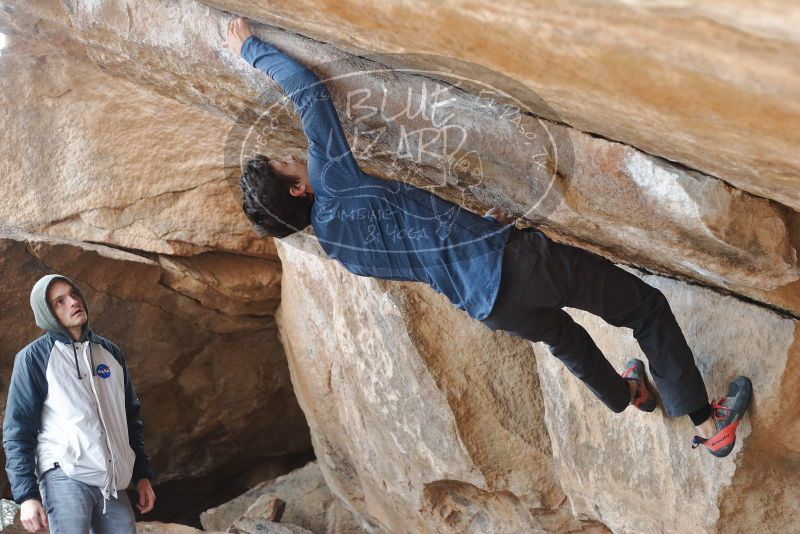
(726, 414)
(643, 398)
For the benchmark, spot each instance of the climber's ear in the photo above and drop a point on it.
(298, 190)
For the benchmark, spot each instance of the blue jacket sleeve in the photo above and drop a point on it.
(319, 118)
(21, 424)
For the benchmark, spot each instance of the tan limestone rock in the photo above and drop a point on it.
(629, 205)
(96, 158)
(422, 421)
(156, 527)
(421, 418)
(358, 380)
(713, 84)
(636, 472)
(266, 507)
(235, 285)
(248, 525)
(309, 505)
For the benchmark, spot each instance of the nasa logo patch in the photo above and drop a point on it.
(103, 371)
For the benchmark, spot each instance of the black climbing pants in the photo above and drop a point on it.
(540, 277)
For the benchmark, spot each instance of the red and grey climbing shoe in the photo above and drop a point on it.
(726, 414)
(643, 398)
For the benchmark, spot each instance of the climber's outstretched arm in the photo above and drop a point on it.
(309, 94)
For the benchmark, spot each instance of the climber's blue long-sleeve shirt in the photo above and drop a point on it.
(384, 228)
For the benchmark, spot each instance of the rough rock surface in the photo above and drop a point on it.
(711, 84)
(267, 507)
(605, 472)
(95, 158)
(629, 205)
(208, 396)
(247, 525)
(155, 527)
(424, 420)
(309, 505)
(421, 418)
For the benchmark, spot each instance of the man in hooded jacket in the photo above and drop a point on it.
(71, 431)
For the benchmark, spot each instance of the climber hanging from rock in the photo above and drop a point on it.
(516, 280)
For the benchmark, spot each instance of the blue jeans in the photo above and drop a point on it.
(77, 508)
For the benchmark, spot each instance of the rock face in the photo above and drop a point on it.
(424, 420)
(421, 418)
(247, 525)
(266, 507)
(208, 394)
(163, 528)
(309, 505)
(94, 158)
(712, 85)
(625, 203)
(603, 470)
(660, 135)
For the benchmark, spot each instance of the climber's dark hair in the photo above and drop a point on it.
(267, 203)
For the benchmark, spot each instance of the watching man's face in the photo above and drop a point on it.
(66, 303)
